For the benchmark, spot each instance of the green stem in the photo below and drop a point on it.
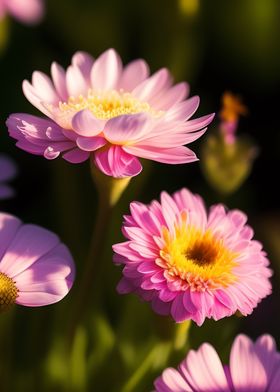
(181, 334)
(152, 361)
(109, 191)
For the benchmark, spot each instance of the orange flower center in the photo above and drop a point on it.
(196, 258)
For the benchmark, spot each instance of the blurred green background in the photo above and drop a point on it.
(215, 46)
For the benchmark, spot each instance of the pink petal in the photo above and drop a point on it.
(169, 98)
(204, 371)
(125, 128)
(173, 156)
(90, 143)
(199, 123)
(106, 71)
(29, 244)
(59, 80)
(85, 124)
(44, 87)
(117, 163)
(246, 369)
(32, 95)
(85, 62)
(153, 85)
(184, 110)
(76, 156)
(133, 74)
(9, 225)
(75, 81)
(174, 381)
(43, 294)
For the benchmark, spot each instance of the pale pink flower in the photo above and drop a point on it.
(253, 367)
(8, 171)
(113, 114)
(36, 269)
(26, 11)
(190, 264)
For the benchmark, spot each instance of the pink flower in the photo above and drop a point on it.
(7, 172)
(252, 367)
(191, 265)
(110, 113)
(36, 269)
(27, 11)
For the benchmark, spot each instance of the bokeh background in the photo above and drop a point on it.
(216, 46)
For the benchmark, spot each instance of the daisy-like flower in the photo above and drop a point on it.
(36, 269)
(252, 367)
(108, 112)
(190, 264)
(26, 11)
(7, 172)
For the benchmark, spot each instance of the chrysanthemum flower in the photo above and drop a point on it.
(7, 172)
(36, 269)
(26, 11)
(108, 112)
(252, 367)
(191, 265)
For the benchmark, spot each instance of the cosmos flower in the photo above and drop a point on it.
(7, 172)
(36, 269)
(26, 11)
(252, 367)
(110, 113)
(190, 264)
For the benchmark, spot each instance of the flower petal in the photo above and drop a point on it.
(117, 163)
(106, 71)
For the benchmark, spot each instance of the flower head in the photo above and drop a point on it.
(190, 264)
(27, 11)
(231, 110)
(110, 113)
(36, 269)
(7, 172)
(252, 367)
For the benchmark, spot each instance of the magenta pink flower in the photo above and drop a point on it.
(191, 265)
(27, 11)
(253, 367)
(108, 112)
(7, 172)
(36, 269)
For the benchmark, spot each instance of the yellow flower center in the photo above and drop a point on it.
(8, 292)
(196, 258)
(107, 104)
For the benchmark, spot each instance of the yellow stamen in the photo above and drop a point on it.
(197, 259)
(105, 105)
(232, 107)
(8, 292)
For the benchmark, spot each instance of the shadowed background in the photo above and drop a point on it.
(215, 46)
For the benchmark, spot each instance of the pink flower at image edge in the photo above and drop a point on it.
(113, 114)
(36, 269)
(252, 367)
(26, 11)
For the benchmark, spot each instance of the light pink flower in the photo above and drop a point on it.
(111, 113)
(7, 172)
(36, 269)
(253, 367)
(26, 11)
(190, 264)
